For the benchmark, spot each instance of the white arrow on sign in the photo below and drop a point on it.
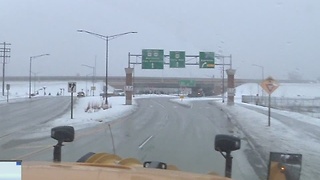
(204, 64)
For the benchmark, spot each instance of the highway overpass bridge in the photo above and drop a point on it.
(146, 83)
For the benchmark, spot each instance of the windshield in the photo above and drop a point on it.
(159, 80)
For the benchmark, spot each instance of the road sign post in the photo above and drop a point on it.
(152, 59)
(177, 59)
(269, 85)
(93, 88)
(7, 88)
(72, 87)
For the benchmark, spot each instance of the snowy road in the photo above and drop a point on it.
(157, 127)
(159, 130)
(18, 118)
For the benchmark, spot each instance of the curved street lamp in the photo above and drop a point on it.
(93, 77)
(35, 74)
(106, 39)
(31, 58)
(262, 70)
(262, 74)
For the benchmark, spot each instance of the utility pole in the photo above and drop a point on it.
(4, 53)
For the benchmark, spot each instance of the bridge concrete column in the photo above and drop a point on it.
(231, 87)
(129, 85)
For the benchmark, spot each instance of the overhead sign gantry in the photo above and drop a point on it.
(156, 59)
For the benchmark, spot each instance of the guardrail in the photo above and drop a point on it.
(308, 106)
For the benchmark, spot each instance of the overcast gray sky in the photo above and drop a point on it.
(281, 35)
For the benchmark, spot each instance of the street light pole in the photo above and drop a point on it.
(107, 62)
(86, 94)
(107, 39)
(93, 74)
(33, 57)
(262, 70)
(34, 81)
(262, 74)
(30, 78)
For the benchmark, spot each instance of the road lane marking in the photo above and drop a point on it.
(6, 135)
(31, 146)
(94, 130)
(145, 142)
(34, 152)
(159, 104)
(49, 147)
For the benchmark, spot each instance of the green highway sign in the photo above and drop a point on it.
(177, 59)
(152, 59)
(206, 60)
(187, 83)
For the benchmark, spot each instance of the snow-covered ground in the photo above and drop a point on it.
(279, 137)
(288, 90)
(294, 133)
(20, 89)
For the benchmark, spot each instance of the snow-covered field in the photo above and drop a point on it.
(280, 137)
(288, 90)
(20, 89)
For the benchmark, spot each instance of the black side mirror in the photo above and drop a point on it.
(226, 143)
(63, 133)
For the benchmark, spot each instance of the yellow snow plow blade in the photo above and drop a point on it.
(94, 171)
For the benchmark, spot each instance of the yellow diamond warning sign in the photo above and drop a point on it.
(269, 85)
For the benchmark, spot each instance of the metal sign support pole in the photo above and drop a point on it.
(4, 53)
(72, 89)
(269, 110)
(223, 80)
(269, 85)
(72, 104)
(3, 67)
